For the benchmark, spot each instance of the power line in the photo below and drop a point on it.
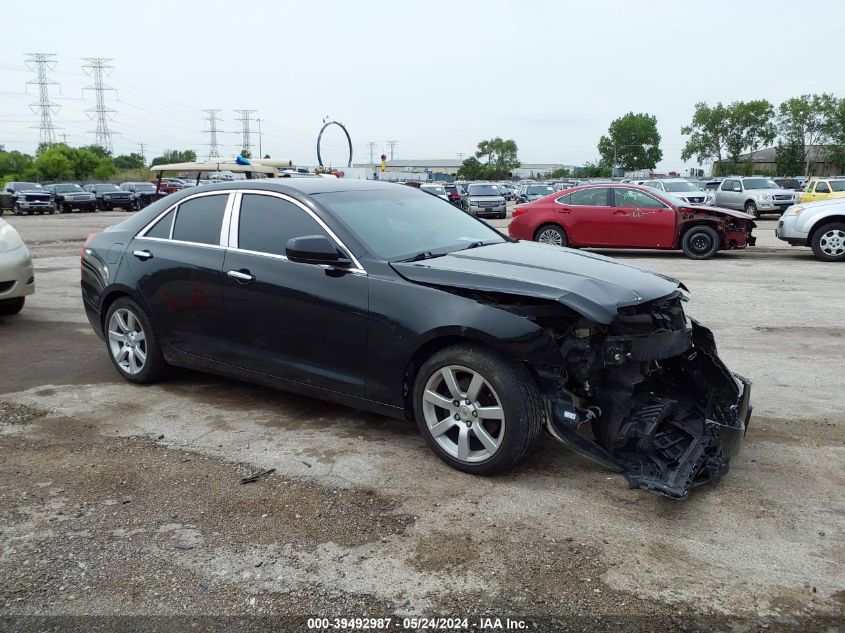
(246, 143)
(392, 145)
(213, 145)
(41, 63)
(97, 66)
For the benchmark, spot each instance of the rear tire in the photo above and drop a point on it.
(9, 307)
(496, 428)
(132, 343)
(551, 234)
(700, 242)
(829, 242)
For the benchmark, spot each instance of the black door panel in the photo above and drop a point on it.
(182, 286)
(297, 321)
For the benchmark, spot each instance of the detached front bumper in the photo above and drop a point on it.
(675, 428)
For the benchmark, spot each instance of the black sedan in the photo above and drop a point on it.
(387, 299)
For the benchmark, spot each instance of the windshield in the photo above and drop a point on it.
(760, 183)
(483, 190)
(68, 188)
(394, 224)
(539, 190)
(680, 186)
(26, 186)
(108, 188)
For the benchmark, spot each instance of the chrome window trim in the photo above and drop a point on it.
(182, 242)
(236, 218)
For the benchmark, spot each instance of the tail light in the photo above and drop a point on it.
(519, 211)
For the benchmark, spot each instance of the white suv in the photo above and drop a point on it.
(687, 191)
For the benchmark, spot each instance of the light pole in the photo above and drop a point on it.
(260, 153)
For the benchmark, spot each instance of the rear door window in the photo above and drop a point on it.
(199, 220)
(593, 197)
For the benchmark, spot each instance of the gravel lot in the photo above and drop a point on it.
(120, 500)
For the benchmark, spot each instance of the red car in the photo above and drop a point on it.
(629, 216)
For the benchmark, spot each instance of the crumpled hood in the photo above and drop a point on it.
(742, 215)
(593, 285)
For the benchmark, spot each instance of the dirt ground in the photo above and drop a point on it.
(121, 506)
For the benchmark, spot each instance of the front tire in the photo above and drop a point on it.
(551, 234)
(132, 343)
(498, 415)
(700, 242)
(829, 242)
(751, 209)
(9, 307)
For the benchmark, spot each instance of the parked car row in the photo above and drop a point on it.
(30, 198)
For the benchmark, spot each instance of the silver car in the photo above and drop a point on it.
(819, 225)
(485, 199)
(16, 276)
(435, 189)
(754, 195)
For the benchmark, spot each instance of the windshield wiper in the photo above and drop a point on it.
(475, 244)
(421, 256)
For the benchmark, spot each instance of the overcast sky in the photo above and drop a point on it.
(436, 76)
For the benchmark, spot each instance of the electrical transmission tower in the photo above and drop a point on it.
(371, 146)
(212, 131)
(40, 63)
(246, 119)
(392, 145)
(97, 67)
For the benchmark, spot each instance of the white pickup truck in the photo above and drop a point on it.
(755, 195)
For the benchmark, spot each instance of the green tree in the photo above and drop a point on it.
(790, 157)
(632, 142)
(756, 120)
(560, 172)
(501, 157)
(594, 170)
(708, 133)
(805, 121)
(13, 164)
(246, 154)
(835, 130)
(174, 156)
(472, 169)
(55, 163)
(129, 161)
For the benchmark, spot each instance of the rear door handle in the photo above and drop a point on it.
(144, 255)
(240, 275)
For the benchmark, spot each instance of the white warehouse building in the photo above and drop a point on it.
(445, 169)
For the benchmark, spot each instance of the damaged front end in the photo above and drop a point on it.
(646, 395)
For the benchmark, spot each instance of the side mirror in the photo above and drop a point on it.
(313, 249)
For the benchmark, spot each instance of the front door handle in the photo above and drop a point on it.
(241, 275)
(143, 255)
(620, 212)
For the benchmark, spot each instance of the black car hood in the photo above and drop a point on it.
(593, 285)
